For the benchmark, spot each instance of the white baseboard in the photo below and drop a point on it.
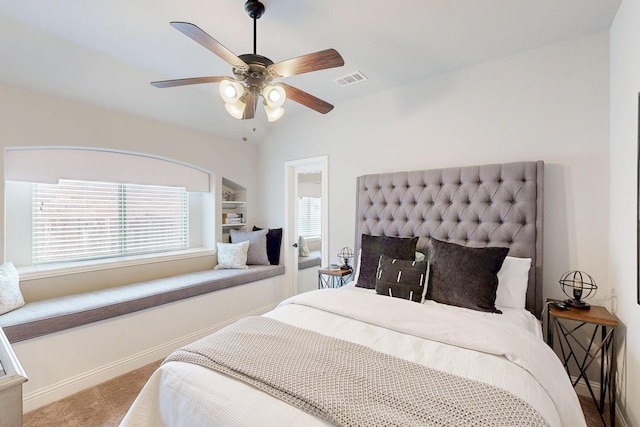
(69, 386)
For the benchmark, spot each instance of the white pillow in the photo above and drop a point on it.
(232, 255)
(10, 295)
(355, 276)
(303, 248)
(513, 279)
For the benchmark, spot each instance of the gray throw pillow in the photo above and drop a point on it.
(464, 276)
(257, 254)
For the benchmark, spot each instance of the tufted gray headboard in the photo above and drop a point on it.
(488, 205)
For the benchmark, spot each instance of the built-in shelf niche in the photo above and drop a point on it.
(233, 210)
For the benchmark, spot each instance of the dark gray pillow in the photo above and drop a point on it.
(464, 276)
(371, 247)
(401, 279)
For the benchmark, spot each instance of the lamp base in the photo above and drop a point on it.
(579, 305)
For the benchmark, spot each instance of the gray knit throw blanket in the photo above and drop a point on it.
(350, 384)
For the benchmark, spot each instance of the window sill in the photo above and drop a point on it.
(62, 269)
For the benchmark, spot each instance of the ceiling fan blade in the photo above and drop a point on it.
(250, 109)
(307, 99)
(197, 34)
(188, 81)
(321, 60)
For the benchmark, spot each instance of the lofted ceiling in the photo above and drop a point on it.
(105, 53)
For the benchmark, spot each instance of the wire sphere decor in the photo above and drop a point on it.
(578, 285)
(345, 255)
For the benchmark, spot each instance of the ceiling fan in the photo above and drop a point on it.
(256, 75)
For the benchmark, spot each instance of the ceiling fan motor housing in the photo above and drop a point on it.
(254, 9)
(257, 76)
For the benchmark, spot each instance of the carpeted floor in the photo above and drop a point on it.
(101, 406)
(106, 404)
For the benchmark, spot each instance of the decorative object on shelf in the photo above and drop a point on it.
(345, 255)
(229, 196)
(578, 285)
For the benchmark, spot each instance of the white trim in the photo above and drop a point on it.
(291, 170)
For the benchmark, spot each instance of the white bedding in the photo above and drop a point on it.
(504, 350)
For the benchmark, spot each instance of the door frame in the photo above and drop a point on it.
(291, 170)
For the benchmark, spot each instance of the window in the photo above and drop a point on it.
(309, 216)
(81, 220)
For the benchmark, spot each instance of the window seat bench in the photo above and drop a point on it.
(313, 260)
(40, 318)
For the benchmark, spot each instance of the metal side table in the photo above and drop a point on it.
(566, 323)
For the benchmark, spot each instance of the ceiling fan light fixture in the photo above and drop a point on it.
(231, 91)
(254, 73)
(235, 109)
(274, 95)
(273, 114)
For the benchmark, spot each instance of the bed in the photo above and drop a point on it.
(385, 352)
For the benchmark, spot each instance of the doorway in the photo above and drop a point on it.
(306, 187)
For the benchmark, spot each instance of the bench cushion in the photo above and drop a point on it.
(48, 316)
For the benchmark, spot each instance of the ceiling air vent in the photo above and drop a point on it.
(350, 79)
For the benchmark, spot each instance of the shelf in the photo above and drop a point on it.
(234, 225)
(235, 208)
(233, 205)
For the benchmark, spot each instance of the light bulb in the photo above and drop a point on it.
(236, 109)
(274, 95)
(273, 114)
(231, 91)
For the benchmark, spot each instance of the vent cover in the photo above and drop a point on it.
(351, 79)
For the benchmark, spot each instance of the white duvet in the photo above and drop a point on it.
(503, 350)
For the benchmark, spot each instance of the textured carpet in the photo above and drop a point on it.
(103, 405)
(106, 404)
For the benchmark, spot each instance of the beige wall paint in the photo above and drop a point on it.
(623, 261)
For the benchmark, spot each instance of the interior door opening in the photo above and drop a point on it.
(306, 218)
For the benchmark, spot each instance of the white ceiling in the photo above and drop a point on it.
(106, 52)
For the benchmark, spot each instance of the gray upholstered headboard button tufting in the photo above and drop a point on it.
(478, 206)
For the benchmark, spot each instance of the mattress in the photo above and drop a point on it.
(505, 350)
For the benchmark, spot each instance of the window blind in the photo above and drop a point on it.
(309, 216)
(81, 220)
